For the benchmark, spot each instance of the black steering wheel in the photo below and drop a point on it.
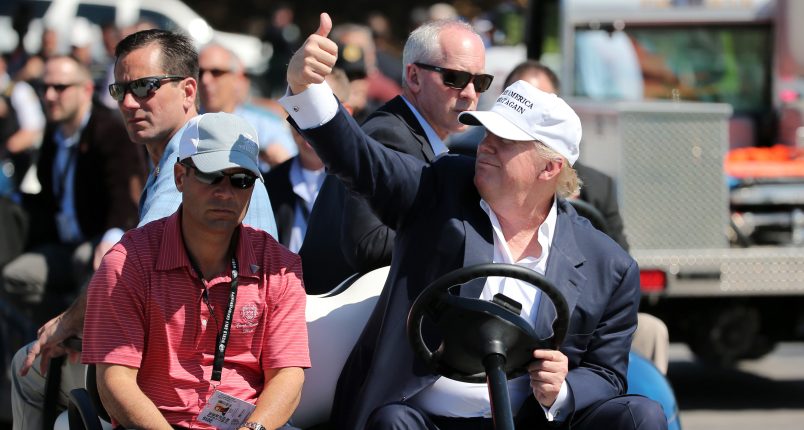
(473, 329)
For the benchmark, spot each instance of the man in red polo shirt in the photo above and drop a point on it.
(195, 320)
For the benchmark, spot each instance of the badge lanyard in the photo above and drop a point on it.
(222, 338)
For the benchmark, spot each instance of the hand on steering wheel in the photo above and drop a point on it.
(474, 328)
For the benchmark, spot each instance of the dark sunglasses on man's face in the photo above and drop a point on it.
(238, 180)
(216, 73)
(59, 88)
(459, 79)
(140, 88)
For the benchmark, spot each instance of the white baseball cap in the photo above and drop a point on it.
(220, 141)
(523, 112)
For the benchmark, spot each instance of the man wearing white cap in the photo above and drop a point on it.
(506, 207)
(196, 319)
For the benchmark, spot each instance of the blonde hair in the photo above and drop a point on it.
(568, 183)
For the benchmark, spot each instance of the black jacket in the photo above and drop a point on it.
(344, 236)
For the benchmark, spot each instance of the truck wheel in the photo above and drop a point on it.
(726, 335)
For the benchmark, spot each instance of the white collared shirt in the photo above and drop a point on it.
(438, 146)
(450, 398)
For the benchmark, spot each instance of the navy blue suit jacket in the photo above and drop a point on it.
(283, 199)
(440, 227)
(344, 235)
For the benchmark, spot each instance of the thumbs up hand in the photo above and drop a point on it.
(314, 60)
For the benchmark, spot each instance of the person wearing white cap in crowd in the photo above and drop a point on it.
(507, 206)
(203, 307)
(81, 40)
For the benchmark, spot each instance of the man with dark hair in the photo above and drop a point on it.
(156, 74)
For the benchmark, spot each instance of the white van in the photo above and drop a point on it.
(167, 14)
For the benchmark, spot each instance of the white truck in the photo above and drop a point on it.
(668, 92)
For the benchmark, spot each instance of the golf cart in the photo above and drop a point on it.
(336, 319)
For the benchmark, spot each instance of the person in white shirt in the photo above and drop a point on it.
(506, 206)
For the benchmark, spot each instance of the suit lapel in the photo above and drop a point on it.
(563, 270)
(398, 106)
(562, 264)
(478, 247)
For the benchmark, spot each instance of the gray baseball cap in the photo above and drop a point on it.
(220, 141)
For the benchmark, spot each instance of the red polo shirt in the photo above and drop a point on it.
(145, 310)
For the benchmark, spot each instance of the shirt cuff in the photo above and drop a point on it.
(311, 108)
(113, 235)
(558, 412)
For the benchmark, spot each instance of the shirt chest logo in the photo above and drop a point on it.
(249, 312)
(249, 318)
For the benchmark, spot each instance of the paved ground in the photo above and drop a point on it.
(765, 394)
(759, 394)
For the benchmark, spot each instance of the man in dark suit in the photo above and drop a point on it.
(91, 176)
(293, 187)
(414, 123)
(507, 206)
(598, 190)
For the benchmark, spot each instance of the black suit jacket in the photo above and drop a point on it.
(368, 243)
(441, 227)
(344, 236)
(109, 176)
(283, 199)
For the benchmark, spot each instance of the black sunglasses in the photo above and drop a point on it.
(59, 88)
(216, 73)
(240, 180)
(140, 88)
(459, 79)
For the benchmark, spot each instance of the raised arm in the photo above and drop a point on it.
(314, 61)
(388, 179)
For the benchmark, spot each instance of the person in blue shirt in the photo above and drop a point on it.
(156, 82)
(223, 87)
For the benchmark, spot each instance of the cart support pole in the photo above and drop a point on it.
(498, 392)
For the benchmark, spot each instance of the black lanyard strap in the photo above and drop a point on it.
(223, 335)
(222, 338)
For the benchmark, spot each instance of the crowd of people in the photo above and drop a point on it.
(177, 237)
